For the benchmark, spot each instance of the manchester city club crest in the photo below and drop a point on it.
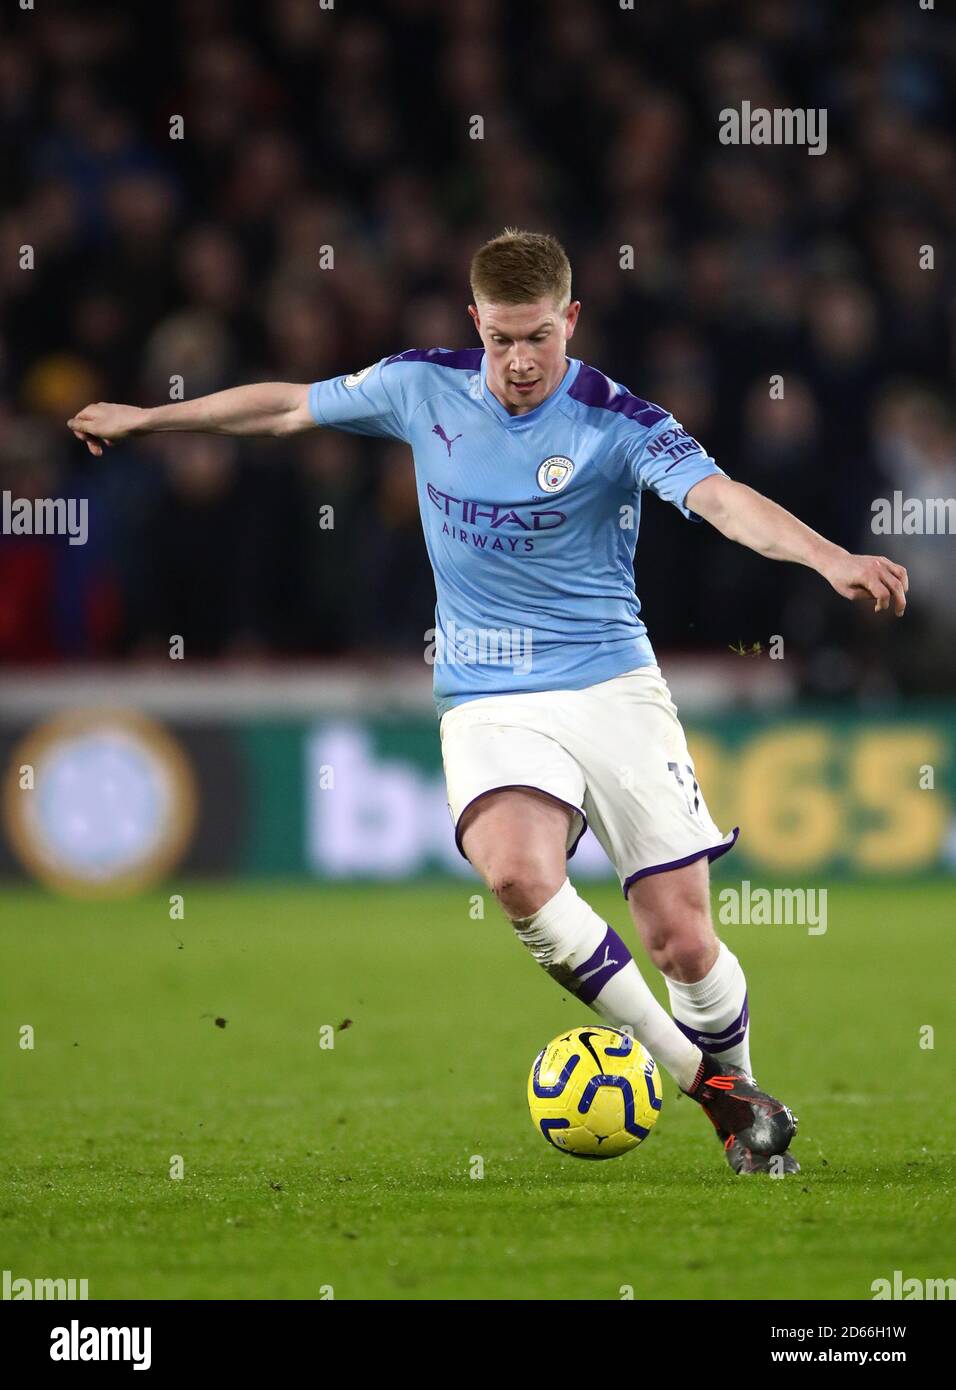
(356, 378)
(554, 473)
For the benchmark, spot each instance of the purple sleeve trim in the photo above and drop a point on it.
(715, 471)
(714, 852)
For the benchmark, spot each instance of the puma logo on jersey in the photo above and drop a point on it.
(437, 429)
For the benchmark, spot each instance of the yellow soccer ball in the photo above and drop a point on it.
(594, 1092)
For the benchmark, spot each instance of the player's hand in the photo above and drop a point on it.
(871, 576)
(105, 423)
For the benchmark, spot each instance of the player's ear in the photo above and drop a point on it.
(474, 314)
(574, 308)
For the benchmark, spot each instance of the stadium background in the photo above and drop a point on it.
(304, 129)
(155, 258)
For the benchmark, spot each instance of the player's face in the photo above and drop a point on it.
(524, 348)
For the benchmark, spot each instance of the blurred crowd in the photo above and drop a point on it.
(303, 128)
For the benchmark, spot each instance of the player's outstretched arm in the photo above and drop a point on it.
(265, 407)
(743, 515)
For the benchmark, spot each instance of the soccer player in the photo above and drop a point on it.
(553, 711)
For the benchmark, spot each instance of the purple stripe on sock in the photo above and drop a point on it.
(610, 957)
(713, 1044)
(703, 1042)
(727, 1037)
(741, 1021)
(713, 1041)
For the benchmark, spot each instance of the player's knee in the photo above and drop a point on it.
(690, 963)
(684, 951)
(524, 884)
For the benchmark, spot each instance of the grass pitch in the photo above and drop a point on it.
(307, 1168)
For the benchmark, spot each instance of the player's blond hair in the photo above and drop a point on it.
(520, 268)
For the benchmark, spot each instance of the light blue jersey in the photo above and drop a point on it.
(530, 521)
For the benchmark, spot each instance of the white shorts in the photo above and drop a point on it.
(614, 753)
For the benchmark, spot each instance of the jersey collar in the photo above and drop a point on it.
(530, 417)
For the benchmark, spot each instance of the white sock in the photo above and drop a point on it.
(587, 957)
(713, 1012)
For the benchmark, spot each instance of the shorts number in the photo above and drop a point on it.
(692, 797)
